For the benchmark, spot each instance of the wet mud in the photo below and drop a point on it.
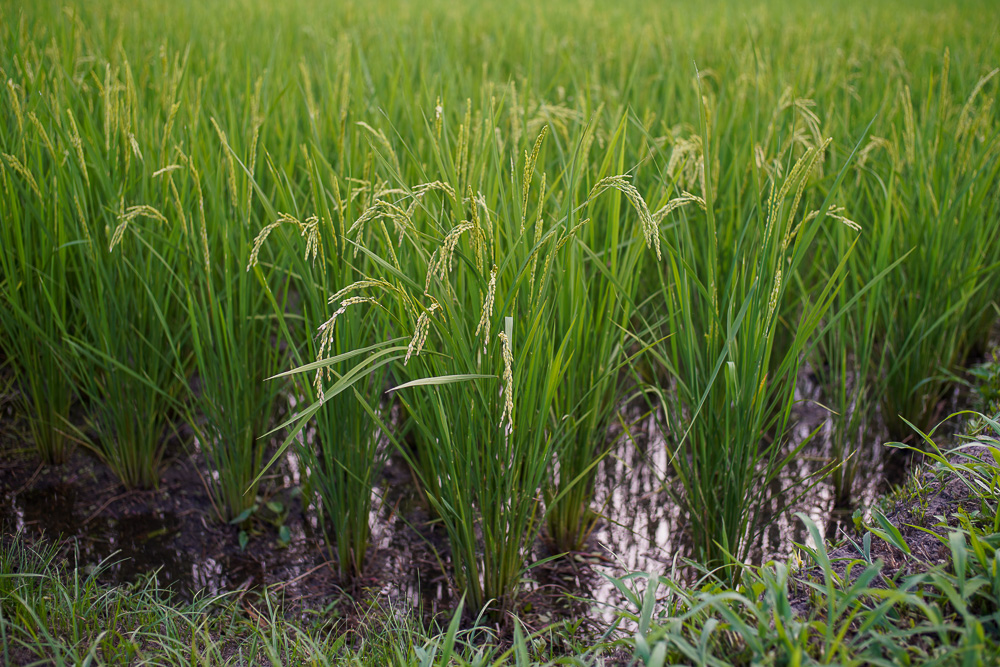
(171, 532)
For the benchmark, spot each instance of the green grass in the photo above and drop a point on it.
(868, 600)
(845, 609)
(54, 614)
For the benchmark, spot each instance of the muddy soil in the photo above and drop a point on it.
(172, 533)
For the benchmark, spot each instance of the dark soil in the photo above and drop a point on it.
(173, 534)
(932, 501)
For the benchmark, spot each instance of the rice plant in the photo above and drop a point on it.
(340, 448)
(944, 219)
(477, 384)
(37, 279)
(127, 359)
(724, 284)
(599, 280)
(127, 351)
(235, 343)
(851, 363)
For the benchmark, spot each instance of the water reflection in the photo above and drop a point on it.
(641, 528)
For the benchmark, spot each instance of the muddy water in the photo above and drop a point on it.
(124, 547)
(642, 530)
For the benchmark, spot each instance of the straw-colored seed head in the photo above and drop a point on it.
(909, 126)
(798, 176)
(326, 338)
(41, 131)
(371, 213)
(462, 152)
(402, 219)
(815, 156)
(687, 162)
(431, 264)
(253, 162)
(621, 183)
(447, 253)
(359, 285)
(420, 333)
(487, 314)
(166, 170)
(772, 303)
(133, 212)
(804, 109)
(134, 144)
(874, 143)
(478, 242)
(837, 213)
(74, 138)
(351, 301)
(538, 215)
(965, 117)
(487, 221)
(264, 233)
(25, 173)
(441, 186)
(678, 202)
(507, 388)
(201, 219)
(259, 241)
(15, 103)
(545, 271)
(529, 171)
(310, 230)
(570, 234)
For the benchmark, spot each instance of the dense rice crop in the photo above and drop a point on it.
(503, 220)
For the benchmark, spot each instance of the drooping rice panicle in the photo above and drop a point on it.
(17, 166)
(420, 333)
(130, 214)
(326, 337)
(507, 388)
(487, 313)
(529, 171)
(621, 183)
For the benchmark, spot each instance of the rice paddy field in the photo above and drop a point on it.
(486, 311)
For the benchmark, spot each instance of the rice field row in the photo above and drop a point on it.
(470, 234)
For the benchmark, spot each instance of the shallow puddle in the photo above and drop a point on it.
(125, 547)
(171, 532)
